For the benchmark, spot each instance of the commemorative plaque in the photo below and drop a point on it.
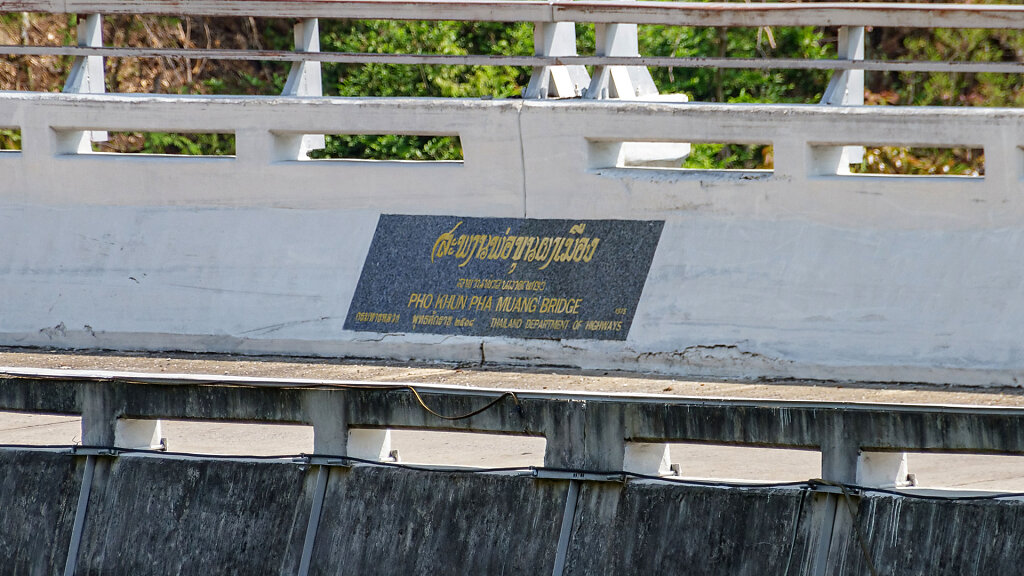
(514, 277)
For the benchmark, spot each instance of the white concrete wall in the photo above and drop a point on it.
(798, 273)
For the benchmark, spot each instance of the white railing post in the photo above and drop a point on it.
(847, 88)
(624, 82)
(86, 77)
(305, 79)
(556, 39)
(629, 83)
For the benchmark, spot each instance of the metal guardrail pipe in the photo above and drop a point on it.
(714, 14)
(723, 14)
(492, 60)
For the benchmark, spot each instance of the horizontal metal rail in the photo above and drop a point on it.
(492, 60)
(715, 14)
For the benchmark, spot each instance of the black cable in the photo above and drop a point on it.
(37, 446)
(811, 485)
(861, 540)
(817, 481)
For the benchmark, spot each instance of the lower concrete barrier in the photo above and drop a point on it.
(658, 528)
(919, 537)
(38, 498)
(386, 521)
(172, 515)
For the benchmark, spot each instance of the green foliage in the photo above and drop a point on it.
(390, 37)
(922, 161)
(729, 157)
(952, 89)
(10, 139)
(190, 144)
(455, 38)
(390, 147)
(739, 85)
(211, 144)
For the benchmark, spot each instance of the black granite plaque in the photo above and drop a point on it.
(515, 277)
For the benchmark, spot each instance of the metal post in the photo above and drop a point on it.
(847, 88)
(305, 79)
(568, 517)
(86, 77)
(556, 39)
(623, 82)
(323, 472)
(83, 504)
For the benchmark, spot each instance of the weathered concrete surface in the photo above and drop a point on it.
(386, 522)
(800, 273)
(38, 497)
(170, 516)
(581, 432)
(643, 528)
(167, 515)
(927, 538)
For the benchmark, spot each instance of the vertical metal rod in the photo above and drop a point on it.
(314, 519)
(563, 535)
(83, 504)
(828, 524)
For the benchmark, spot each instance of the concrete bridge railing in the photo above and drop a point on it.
(802, 270)
(798, 271)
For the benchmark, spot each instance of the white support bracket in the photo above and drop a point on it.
(139, 434)
(369, 444)
(305, 79)
(622, 82)
(883, 470)
(556, 39)
(86, 75)
(649, 459)
(631, 83)
(847, 88)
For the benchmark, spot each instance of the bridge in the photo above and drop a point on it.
(804, 270)
(567, 234)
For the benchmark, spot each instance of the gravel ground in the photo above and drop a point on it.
(495, 376)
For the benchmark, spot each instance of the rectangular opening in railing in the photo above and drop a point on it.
(894, 159)
(39, 429)
(678, 155)
(10, 140)
(470, 449)
(207, 144)
(984, 472)
(372, 147)
(745, 463)
(220, 438)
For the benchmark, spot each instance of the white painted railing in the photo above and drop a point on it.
(555, 46)
(673, 13)
(801, 271)
(794, 272)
